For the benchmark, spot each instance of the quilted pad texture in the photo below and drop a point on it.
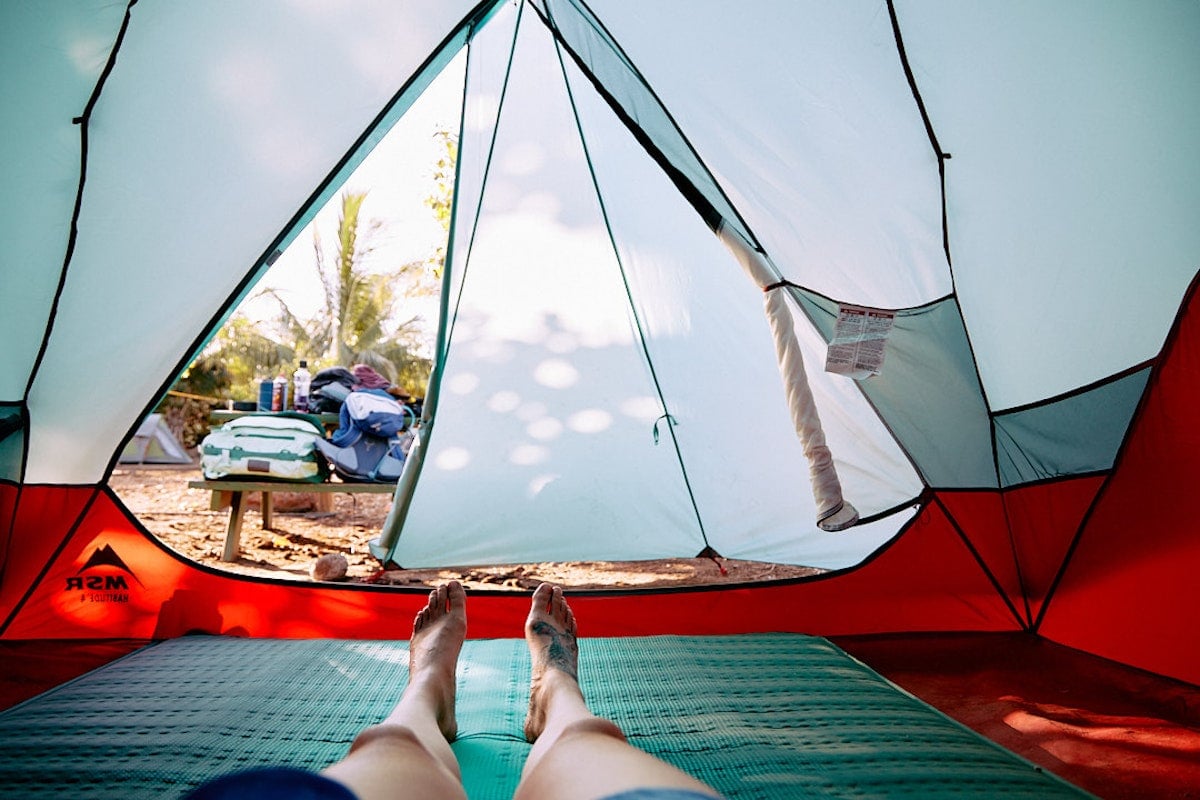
(756, 716)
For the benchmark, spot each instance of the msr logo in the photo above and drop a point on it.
(100, 578)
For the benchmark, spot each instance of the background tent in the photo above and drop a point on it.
(1017, 184)
(154, 443)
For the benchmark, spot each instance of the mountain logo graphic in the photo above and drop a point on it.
(104, 556)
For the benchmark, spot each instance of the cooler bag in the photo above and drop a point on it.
(265, 447)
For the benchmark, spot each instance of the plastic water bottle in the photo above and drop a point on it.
(301, 380)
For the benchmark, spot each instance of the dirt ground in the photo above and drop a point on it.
(184, 520)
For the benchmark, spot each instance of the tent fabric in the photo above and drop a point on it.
(1066, 130)
(1072, 436)
(931, 376)
(97, 574)
(612, 284)
(1044, 519)
(12, 437)
(1131, 565)
(1016, 184)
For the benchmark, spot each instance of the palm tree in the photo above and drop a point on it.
(356, 321)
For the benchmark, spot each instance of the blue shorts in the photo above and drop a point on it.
(289, 783)
(272, 783)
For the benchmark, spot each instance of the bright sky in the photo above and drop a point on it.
(397, 176)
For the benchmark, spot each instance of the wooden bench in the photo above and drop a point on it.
(237, 491)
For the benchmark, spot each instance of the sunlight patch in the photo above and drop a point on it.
(545, 429)
(464, 383)
(504, 402)
(646, 408)
(592, 420)
(526, 455)
(493, 351)
(555, 373)
(453, 458)
(539, 483)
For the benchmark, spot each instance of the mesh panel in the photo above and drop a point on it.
(1075, 435)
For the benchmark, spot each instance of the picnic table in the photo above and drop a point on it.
(232, 493)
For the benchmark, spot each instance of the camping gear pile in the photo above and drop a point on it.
(370, 444)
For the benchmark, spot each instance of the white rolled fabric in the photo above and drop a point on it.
(833, 512)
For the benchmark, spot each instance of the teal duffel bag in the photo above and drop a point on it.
(279, 446)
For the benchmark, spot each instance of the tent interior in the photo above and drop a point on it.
(668, 220)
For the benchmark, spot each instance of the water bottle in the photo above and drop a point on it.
(279, 396)
(301, 380)
(266, 388)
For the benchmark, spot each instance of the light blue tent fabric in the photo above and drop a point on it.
(1018, 183)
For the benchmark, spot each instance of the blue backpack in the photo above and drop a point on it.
(372, 438)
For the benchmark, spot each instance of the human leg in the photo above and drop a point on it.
(410, 749)
(576, 754)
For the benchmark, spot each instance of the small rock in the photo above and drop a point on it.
(330, 567)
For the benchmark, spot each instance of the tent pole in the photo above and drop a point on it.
(383, 546)
(834, 513)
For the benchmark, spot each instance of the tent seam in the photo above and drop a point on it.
(687, 188)
(19, 481)
(980, 561)
(394, 524)
(628, 293)
(942, 156)
(1079, 390)
(73, 235)
(1155, 371)
(487, 168)
(52, 560)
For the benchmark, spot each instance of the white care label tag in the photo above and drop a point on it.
(858, 341)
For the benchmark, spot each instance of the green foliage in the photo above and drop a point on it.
(247, 355)
(192, 398)
(442, 199)
(360, 319)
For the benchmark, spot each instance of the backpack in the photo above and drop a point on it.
(329, 388)
(371, 412)
(368, 459)
(280, 446)
(372, 438)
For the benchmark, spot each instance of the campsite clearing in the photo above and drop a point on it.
(183, 520)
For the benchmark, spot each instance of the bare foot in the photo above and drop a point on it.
(553, 652)
(438, 633)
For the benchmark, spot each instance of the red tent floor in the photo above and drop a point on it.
(1117, 732)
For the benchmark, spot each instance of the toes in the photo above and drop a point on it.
(557, 603)
(562, 611)
(456, 596)
(549, 599)
(543, 598)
